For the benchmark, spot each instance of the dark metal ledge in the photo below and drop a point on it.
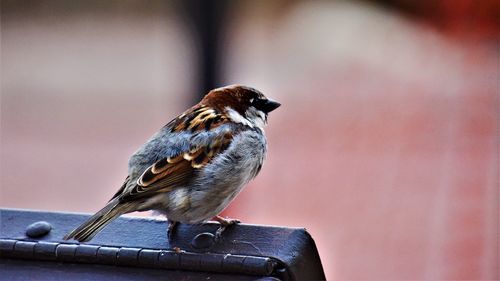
(136, 257)
(265, 252)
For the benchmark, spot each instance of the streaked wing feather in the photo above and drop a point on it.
(171, 172)
(197, 118)
(175, 175)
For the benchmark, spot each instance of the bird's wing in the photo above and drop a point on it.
(198, 118)
(171, 172)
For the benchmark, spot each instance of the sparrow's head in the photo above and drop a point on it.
(242, 104)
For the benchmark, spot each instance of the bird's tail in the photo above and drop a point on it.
(98, 221)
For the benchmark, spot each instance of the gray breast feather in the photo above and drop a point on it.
(239, 163)
(221, 180)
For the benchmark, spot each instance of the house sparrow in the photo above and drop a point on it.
(196, 164)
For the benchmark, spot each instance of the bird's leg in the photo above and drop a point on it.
(170, 229)
(225, 223)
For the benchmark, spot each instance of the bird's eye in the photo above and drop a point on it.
(251, 101)
(257, 103)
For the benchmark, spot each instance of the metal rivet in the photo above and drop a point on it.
(38, 229)
(203, 240)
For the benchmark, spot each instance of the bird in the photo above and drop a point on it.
(195, 165)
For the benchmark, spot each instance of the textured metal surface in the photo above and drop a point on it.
(15, 269)
(285, 253)
(137, 257)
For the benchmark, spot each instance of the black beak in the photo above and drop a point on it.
(270, 105)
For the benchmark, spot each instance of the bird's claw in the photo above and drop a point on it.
(225, 223)
(178, 250)
(171, 229)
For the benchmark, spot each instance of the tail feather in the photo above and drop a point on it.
(98, 221)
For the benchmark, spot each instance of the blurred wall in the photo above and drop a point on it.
(84, 84)
(385, 148)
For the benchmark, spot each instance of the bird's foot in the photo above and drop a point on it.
(225, 223)
(178, 250)
(172, 225)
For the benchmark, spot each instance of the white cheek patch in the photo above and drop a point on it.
(257, 117)
(237, 118)
(262, 117)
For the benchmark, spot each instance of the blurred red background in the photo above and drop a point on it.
(386, 147)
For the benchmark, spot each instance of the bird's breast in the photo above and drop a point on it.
(218, 183)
